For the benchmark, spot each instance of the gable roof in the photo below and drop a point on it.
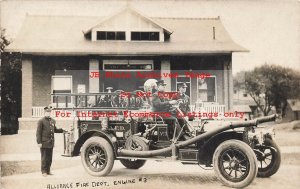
(133, 10)
(63, 35)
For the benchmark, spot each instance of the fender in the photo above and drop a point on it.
(208, 147)
(106, 135)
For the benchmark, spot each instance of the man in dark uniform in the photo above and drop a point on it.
(184, 102)
(159, 102)
(163, 104)
(185, 99)
(45, 139)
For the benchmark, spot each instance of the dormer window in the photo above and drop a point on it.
(111, 35)
(128, 25)
(144, 36)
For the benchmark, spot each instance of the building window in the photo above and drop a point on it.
(207, 91)
(128, 65)
(101, 35)
(120, 35)
(110, 35)
(59, 85)
(112, 68)
(144, 36)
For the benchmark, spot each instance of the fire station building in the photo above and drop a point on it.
(60, 52)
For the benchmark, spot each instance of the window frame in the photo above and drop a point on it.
(112, 39)
(140, 33)
(133, 62)
(216, 91)
(71, 103)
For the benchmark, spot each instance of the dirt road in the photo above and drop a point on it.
(69, 173)
(152, 175)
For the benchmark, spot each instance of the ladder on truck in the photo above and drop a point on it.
(117, 101)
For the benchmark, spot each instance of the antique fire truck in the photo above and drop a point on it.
(238, 151)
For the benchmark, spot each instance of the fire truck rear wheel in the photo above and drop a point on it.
(97, 156)
(134, 143)
(269, 159)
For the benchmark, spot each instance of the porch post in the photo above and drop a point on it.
(230, 85)
(93, 82)
(166, 68)
(225, 86)
(26, 87)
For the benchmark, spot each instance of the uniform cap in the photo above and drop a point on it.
(182, 85)
(48, 108)
(160, 82)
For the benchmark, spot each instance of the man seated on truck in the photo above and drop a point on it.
(163, 104)
(184, 102)
(185, 99)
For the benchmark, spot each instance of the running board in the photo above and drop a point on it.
(158, 159)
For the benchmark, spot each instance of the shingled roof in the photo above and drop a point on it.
(65, 35)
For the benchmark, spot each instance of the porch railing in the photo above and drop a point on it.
(38, 111)
(214, 108)
(207, 107)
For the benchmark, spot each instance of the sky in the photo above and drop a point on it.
(269, 29)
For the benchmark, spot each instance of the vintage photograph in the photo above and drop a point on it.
(150, 94)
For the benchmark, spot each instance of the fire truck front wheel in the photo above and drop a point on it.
(97, 156)
(235, 163)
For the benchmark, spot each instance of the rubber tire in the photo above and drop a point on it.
(247, 151)
(105, 145)
(137, 163)
(276, 164)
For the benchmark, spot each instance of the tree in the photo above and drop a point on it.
(3, 41)
(239, 81)
(271, 85)
(10, 78)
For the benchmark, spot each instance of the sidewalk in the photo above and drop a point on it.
(25, 143)
(33, 156)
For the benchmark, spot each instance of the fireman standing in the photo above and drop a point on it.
(45, 139)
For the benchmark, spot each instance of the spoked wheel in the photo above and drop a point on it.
(137, 144)
(97, 156)
(268, 157)
(235, 163)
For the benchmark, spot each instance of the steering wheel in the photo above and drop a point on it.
(175, 106)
